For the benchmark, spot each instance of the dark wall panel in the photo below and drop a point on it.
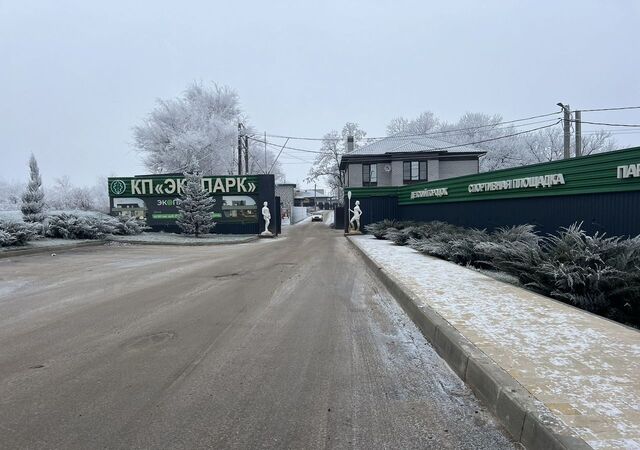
(614, 213)
(373, 209)
(338, 217)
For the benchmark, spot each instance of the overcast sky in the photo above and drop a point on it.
(76, 76)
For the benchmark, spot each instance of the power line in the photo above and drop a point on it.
(604, 124)
(613, 132)
(497, 138)
(450, 146)
(290, 148)
(279, 153)
(420, 134)
(291, 155)
(621, 108)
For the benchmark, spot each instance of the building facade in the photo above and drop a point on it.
(402, 160)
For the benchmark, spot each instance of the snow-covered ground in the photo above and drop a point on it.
(48, 242)
(171, 238)
(582, 367)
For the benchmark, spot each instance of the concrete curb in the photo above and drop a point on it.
(525, 418)
(21, 251)
(53, 248)
(185, 244)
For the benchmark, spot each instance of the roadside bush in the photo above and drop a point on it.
(378, 229)
(596, 273)
(125, 225)
(71, 226)
(403, 235)
(452, 243)
(17, 233)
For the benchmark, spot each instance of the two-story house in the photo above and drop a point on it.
(399, 160)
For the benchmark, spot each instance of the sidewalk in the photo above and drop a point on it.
(580, 373)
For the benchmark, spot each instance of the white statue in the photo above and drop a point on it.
(266, 215)
(355, 220)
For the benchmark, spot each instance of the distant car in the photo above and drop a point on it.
(316, 217)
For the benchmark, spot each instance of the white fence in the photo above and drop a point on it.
(298, 213)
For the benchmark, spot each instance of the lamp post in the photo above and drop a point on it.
(349, 211)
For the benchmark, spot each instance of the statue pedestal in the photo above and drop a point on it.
(266, 234)
(353, 233)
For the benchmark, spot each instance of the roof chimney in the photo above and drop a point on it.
(349, 144)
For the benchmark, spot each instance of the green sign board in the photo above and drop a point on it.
(616, 171)
(160, 185)
(156, 197)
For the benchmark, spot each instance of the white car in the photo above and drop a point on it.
(317, 217)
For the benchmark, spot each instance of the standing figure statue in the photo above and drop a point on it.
(266, 215)
(355, 220)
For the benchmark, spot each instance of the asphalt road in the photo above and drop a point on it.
(283, 343)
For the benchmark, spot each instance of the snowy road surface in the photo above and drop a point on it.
(286, 343)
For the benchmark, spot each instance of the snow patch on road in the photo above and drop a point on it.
(10, 286)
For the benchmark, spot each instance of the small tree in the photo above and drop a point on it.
(327, 164)
(33, 196)
(195, 206)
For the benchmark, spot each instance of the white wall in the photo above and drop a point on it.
(298, 213)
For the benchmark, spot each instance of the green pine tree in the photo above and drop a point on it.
(195, 207)
(33, 197)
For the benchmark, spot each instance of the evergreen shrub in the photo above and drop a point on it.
(17, 233)
(594, 272)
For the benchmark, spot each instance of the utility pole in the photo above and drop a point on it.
(315, 196)
(246, 154)
(566, 125)
(578, 122)
(239, 148)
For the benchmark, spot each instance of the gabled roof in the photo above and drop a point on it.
(411, 144)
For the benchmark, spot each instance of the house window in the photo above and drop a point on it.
(414, 171)
(369, 174)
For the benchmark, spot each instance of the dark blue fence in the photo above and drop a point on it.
(617, 213)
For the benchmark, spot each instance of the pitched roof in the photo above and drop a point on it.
(411, 144)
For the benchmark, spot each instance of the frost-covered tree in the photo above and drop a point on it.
(548, 145)
(201, 126)
(63, 195)
(195, 208)
(487, 132)
(33, 197)
(326, 166)
(475, 128)
(10, 195)
(422, 124)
